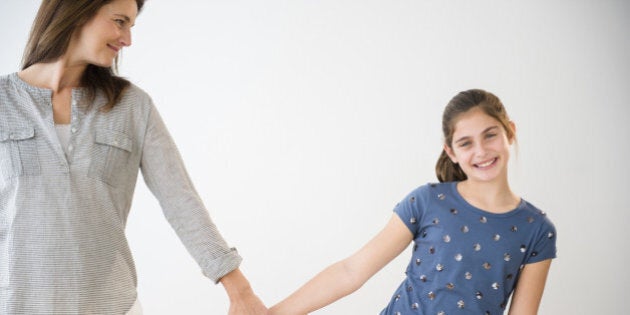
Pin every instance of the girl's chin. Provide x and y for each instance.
(485, 176)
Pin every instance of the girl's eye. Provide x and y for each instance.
(490, 135)
(120, 22)
(464, 144)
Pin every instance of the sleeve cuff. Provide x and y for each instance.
(217, 268)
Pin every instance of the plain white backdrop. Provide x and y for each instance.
(302, 124)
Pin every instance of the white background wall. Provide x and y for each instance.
(303, 123)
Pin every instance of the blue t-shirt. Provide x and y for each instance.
(466, 260)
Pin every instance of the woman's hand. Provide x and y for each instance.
(243, 301)
(248, 304)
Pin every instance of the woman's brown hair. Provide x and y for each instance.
(445, 169)
(55, 23)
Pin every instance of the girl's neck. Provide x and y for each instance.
(495, 197)
(56, 76)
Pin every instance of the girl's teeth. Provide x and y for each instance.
(486, 164)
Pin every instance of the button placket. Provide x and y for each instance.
(74, 123)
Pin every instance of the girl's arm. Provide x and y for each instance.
(348, 275)
(529, 289)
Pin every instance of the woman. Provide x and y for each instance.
(73, 136)
(476, 241)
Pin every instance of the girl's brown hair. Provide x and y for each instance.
(55, 23)
(445, 169)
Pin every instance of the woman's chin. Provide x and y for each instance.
(103, 63)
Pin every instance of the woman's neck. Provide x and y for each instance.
(496, 197)
(56, 76)
(61, 78)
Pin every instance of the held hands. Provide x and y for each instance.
(243, 301)
(248, 304)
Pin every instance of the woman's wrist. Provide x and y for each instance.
(236, 285)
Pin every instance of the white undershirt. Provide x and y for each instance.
(63, 133)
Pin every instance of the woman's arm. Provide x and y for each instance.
(165, 175)
(530, 287)
(346, 276)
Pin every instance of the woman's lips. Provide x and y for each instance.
(114, 48)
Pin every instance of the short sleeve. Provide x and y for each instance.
(412, 208)
(545, 243)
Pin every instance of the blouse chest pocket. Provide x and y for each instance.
(110, 156)
(18, 153)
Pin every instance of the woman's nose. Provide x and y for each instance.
(125, 38)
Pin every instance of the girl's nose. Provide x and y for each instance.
(480, 150)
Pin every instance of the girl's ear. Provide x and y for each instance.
(450, 153)
(513, 126)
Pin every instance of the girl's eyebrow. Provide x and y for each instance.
(484, 131)
(490, 128)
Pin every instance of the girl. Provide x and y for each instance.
(73, 136)
(475, 241)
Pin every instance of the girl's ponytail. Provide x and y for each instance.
(447, 171)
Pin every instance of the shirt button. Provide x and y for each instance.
(70, 148)
(74, 103)
(73, 130)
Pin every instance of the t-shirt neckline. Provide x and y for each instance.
(459, 197)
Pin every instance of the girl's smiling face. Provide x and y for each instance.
(480, 146)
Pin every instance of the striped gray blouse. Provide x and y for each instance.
(62, 217)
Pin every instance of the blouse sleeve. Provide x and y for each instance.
(165, 175)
